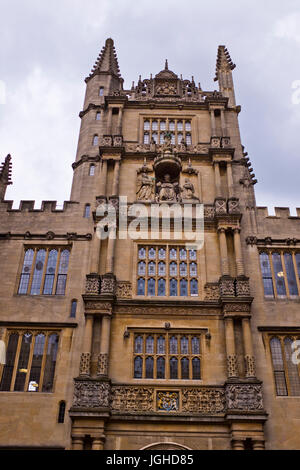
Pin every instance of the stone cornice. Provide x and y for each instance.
(71, 236)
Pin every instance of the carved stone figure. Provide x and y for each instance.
(144, 187)
(167, 191)
(188, 190)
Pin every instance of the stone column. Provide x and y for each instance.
(104, 346)
(217, 179)
(103, 178)
(258, 445)
(98, 443)
(230, 348)
(213, 123)
(95, 253)
(248, 348)
(238, 252)
(229, 179)
(120, 116)
(223, 252)
(85, 358)
(238, 444)
(109, 121)
(223, 124)
(115, 187)
(77, 442)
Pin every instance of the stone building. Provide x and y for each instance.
(149, 343)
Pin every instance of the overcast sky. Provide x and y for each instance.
(48, 48)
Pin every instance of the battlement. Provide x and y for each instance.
(280, 212)
(46, 206)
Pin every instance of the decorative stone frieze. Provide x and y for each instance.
(232, 369)
(250, 366)
(227, 287)
(233, 206)
(211, 291)
(91, 394)
(132, 399)
(124, 290)
(108, 284)
(85, 361)
(92, 284)
(242, 287)
(220, 206)
(244, 397)
(102, 366)
(203, 400)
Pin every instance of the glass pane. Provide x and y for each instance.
(73, 308)
(160, 368)
(185, 373)
(61, 284)
(184, 345)
(142, 253)
(290, 273)
(278, 272)
(10, 361)
(154, 125)
(142, 268)
(193, 269)
(35, 371)
(293, 373)
(64, 262)
(138, 344)
(149, 368)
(155, 137)
(50, 272)
(141, 287)
(183, 287)
(265, 265)
(268, 287)
(298, 263)
(196, 368)
(160, 345)
(87, 211)
(183, 269)
(146, 125)
(171, 126)
(187, 125)
(162, 253)
(182, 253)
(173, 253)
(280, 383)
(38, 272)
(50, 363)
(161, 138)
(161, 287)
(194, 286)
(173, 368)
(151, 253)
(149, 345)
(151, 286)
(192, 255)
(146, 138)
(279, 375)
(173, 287)
(151, 268)
(161, 269)
(162, 125)
(173, 269)
(179, 138)
(24, 280)
(23, 363)
(188, 139)
(95, 140)
(173, 345)
(98, 116)
(172, 138)
(92, 170)
(179, 126)
(138, 367)
(195, 345)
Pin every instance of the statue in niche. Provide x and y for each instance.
(167, 191)
(144, 187)
(167, 146)
(188, 190)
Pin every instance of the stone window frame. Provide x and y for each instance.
(167, 277)
(187, 134)
(167, 355)
(282, 252)
(28, 369)
(48, 248)
(283, 373)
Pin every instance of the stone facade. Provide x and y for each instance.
(164, 140)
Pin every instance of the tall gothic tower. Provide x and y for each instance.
(147, 341)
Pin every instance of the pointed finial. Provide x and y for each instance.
(106, 61)
(224, 61)
(5, 176)
(166, 65)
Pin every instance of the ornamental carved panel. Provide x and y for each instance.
(132, 399)
(124, 290)
(242, 288)
(212, 291)
(227, 287)
(244, 397)
(203, 400)
(91, 394)
(92, 284)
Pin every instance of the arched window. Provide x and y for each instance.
(187, 125)
(101, 91)
(142, 253)
(182, 253)
(61, 412)
(193, 269)
(196, 368)
(161, 345)
(23, 362)
(142, 268)
(290, 274)
(279, 276)
(92, 170)
(161, 269)
(292, 369)
(161, 287)
(50, 272)
(173, 368)
(146, 125)
(160, 367)
(149, 345)
(95, 140)
(151, 286)
(183, 269)
(162, 253)
(154, 125)
(138, 367)
(149, 367)
(141, 286)
(184, 345)
(185, 368)
(173, 269)
(87, 210)
(188, 139)
(98, 116)
(171, 126)
(278, 367)
(146, 138)
(183, 287)
(73, 308)
(194, 287)
(195, 345)
(38, 272)
(173, 287)
(50, 363)
(138, 344)
(173, 345)
(266, 274)
(151, 269)
(26, 270)
(36, 365)
(162, 125)
(62, 272)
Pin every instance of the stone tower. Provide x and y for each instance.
(151, 341)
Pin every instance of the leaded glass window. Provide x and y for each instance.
(285, 370)
(154, 128)
(280, 273)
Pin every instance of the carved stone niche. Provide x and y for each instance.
(244, 397)
(108, 284)
(92, 283)
(233, 206)
(91, 394)
(220, 206)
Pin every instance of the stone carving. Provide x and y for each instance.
(132, 399)
(84, 367)
(91, 394)
(251, 241)
(236, 307)
(215, 142)
(108, 284)
(167, 191)
(225, 141)
(233, 206)
(92, 284)
(124, 289)
(167, 401)
(188, 190)
(227, 286)
(232, 369)
(203, 400)
(209, 212)
(220, 205)
(166, 88)
(250, 366)
(242, 287)
(106, 141)
(118, 140)
(102, 366)
(212, 291)
(244, 397)
(104, 308)
(145, 187)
